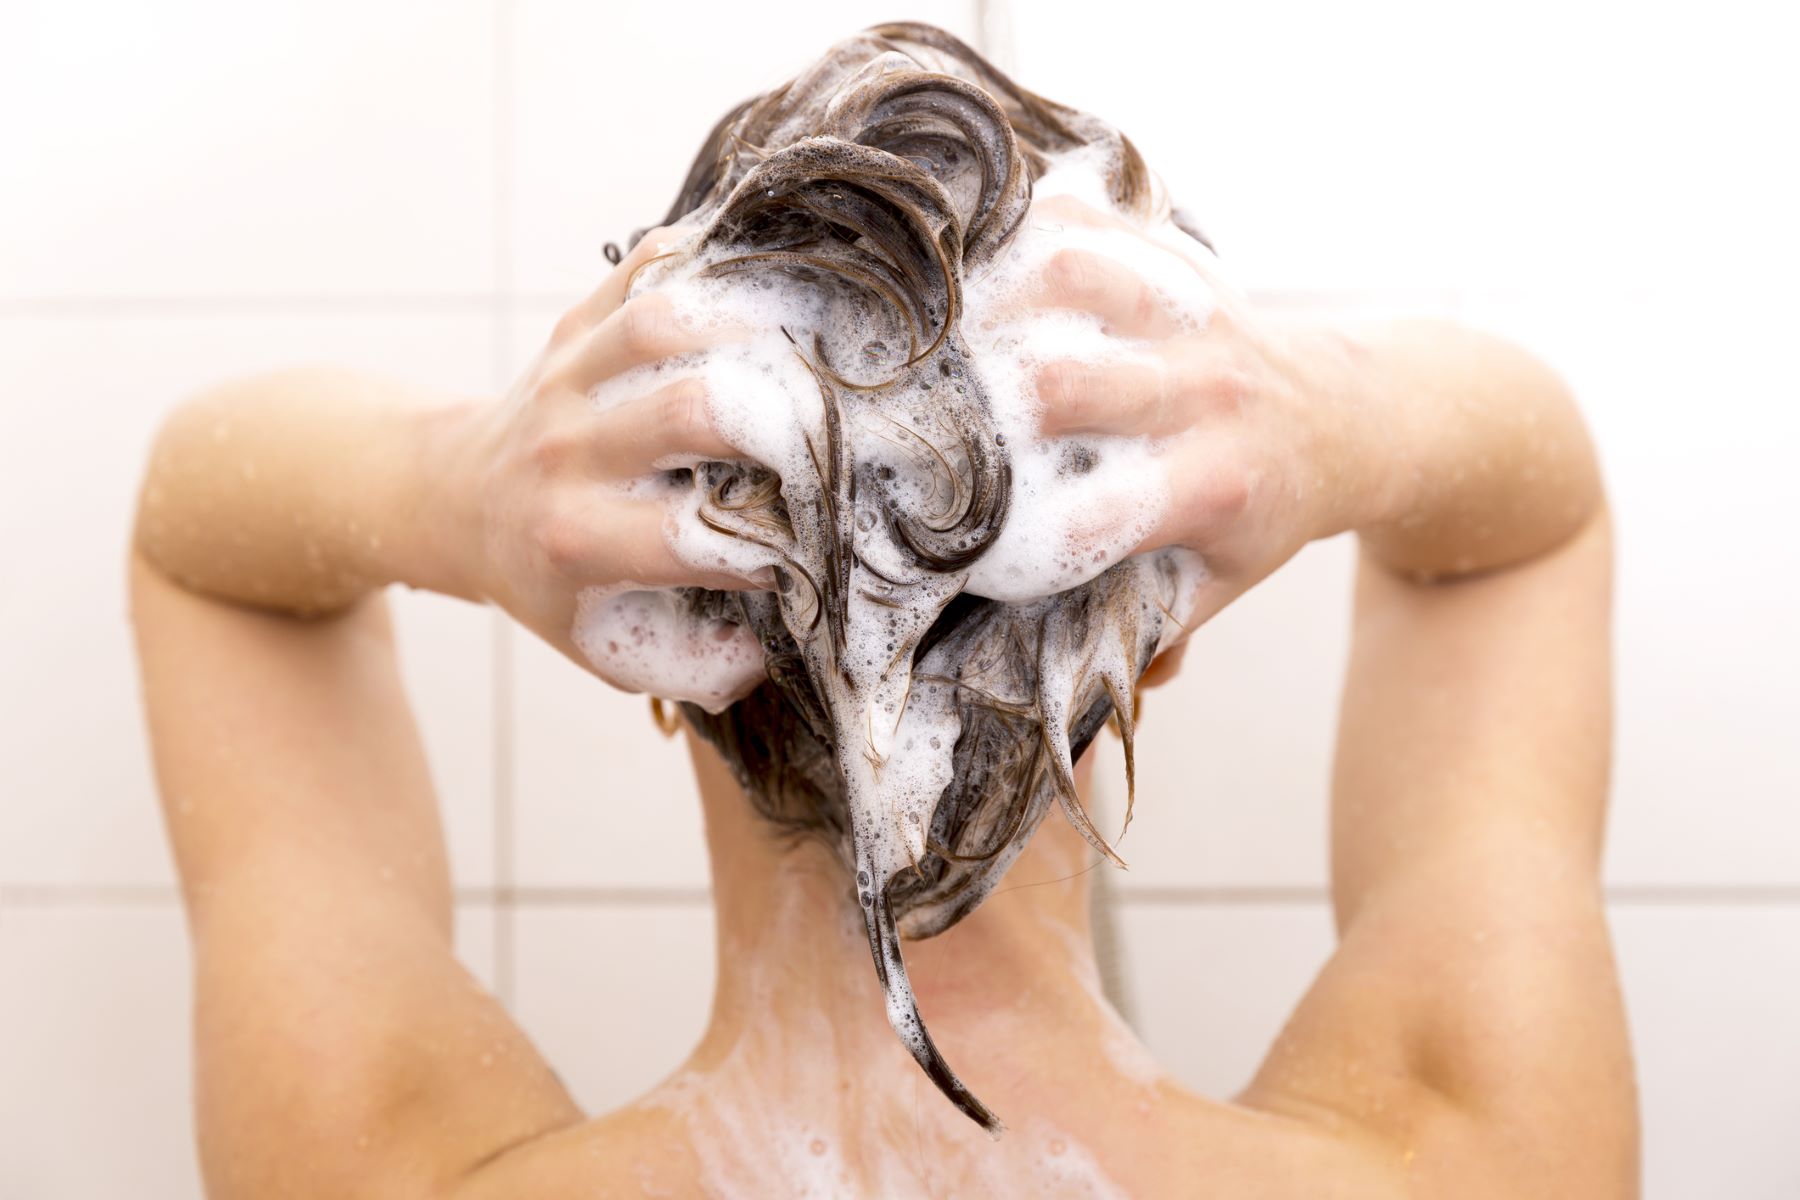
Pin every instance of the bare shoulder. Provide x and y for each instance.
(641, 1150)
(1482, 1047)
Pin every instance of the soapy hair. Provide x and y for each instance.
(886, 188)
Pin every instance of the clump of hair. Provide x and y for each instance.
(885, 175)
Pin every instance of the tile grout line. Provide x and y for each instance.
(502, 894)
(993, 33)
(502, 644)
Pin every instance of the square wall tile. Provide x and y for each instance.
(447, 648)
(95, 1032)
(200, 148)
(1211, 985)
(84, 397)
(1711, 993)
(1696, 419)
(1404, 141)
(600, 796)
(615, 996)
(612, 102)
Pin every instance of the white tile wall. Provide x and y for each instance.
(616, 995)
(201, 189)
(587, 167)
(1213, 984)
(1411, 143)
(1712, 990)
(94, 1032)
(600, 796)
(205, 148)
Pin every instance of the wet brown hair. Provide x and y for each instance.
(886, 184)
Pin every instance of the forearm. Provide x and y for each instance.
(1469, 453)
(301, 492)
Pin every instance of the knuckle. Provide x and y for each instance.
(1072, 275)
(1146, 304)
(683, 411)
(1225, 494)
(1063, 387)
(646, 326)
(569, 327)
(560, 541)
(548, 454)
(1068, 207)
(1225, 391)
(1162, 408)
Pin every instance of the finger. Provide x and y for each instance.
(645, 329)
(604, 300)
(1054, 214)
(1086, 282)
(669, 427)
(1126, 398)
(606, 540)
(1064, 209)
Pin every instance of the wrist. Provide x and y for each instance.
(1353, 429)
(436, 541)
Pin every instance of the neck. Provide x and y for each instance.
(799, 1020)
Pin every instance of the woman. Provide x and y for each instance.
(1465, 1039)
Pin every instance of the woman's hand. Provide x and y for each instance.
(545, 477)
(302, 492)
(1447, 451)
(1252, 420)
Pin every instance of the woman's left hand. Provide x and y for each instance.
(1252, 419)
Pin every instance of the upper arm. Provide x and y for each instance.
(340, 1048)
(1473, 1001)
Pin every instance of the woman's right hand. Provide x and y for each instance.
(542, 479)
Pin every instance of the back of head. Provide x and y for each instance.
(924, 690)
